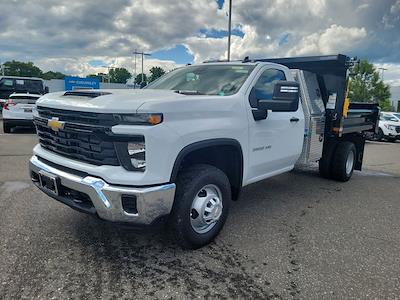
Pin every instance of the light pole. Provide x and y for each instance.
(108, 72)
(142, 54)
(382, 70)
(3, 69)
(134, 74)
(229, 30)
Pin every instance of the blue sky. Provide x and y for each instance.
(179, 54)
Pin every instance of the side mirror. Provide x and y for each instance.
(46, 89)
(284, 98)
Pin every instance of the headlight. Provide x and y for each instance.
(390, 127)
(139, 119)
(137, 155)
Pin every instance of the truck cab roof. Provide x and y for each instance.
(336, 65)
(20, 77)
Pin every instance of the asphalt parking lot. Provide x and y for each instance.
(295, 236)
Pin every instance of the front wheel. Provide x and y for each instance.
(6, 127)
(202, 200)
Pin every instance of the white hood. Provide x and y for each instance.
(393, 123)
(113, 101)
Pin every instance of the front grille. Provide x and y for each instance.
(82, 138)
(80, 117)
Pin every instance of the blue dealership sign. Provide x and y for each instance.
(72, 83)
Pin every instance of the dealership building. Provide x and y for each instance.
(70, 83)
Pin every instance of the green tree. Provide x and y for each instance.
(19, 68)
(138, 78)
(119, 75)
(366, 86)
(102, 77)
(53, 75)
(155, 73)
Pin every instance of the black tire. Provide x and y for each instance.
(188, 185)
(325, 162)
(391, 140)
(379, 135)
(343, 152)
(6, 127)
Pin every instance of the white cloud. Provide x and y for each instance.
(67, 35)
(395, 8)
(82, 67)
(333, 40)
(391, 74)
(392, 18)
(362, 7)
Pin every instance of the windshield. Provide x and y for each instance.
(223, 80)
(24, 99)
(389, 118)
(397, 115)
(21, 84)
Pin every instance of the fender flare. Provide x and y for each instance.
(205, 144)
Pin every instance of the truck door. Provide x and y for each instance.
(275, 142)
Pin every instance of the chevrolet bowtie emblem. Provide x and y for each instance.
(55, 124)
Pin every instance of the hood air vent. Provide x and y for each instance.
(89, 94)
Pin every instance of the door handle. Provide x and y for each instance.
(294, 119)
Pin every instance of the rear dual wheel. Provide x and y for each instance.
(343, 161)
(338, 161)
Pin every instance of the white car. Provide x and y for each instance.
(2, 102)
(18, 110)
(395, 115)
(389, 127)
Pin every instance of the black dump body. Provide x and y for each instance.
(332, 73)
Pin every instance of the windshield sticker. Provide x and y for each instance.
(242, 71)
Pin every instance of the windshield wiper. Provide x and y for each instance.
(188, 92)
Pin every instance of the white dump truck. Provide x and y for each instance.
(181, 149)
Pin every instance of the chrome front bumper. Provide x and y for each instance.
(104, 199)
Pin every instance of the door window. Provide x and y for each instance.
(6, 85)
(7, 82)
(264, 86)
(34, 85)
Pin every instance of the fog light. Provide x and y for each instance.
(137, 154)
(129, 203)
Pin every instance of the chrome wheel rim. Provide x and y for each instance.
(349, 162)
(206, 208)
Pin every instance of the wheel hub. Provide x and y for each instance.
(206, 208)
(350, 162)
